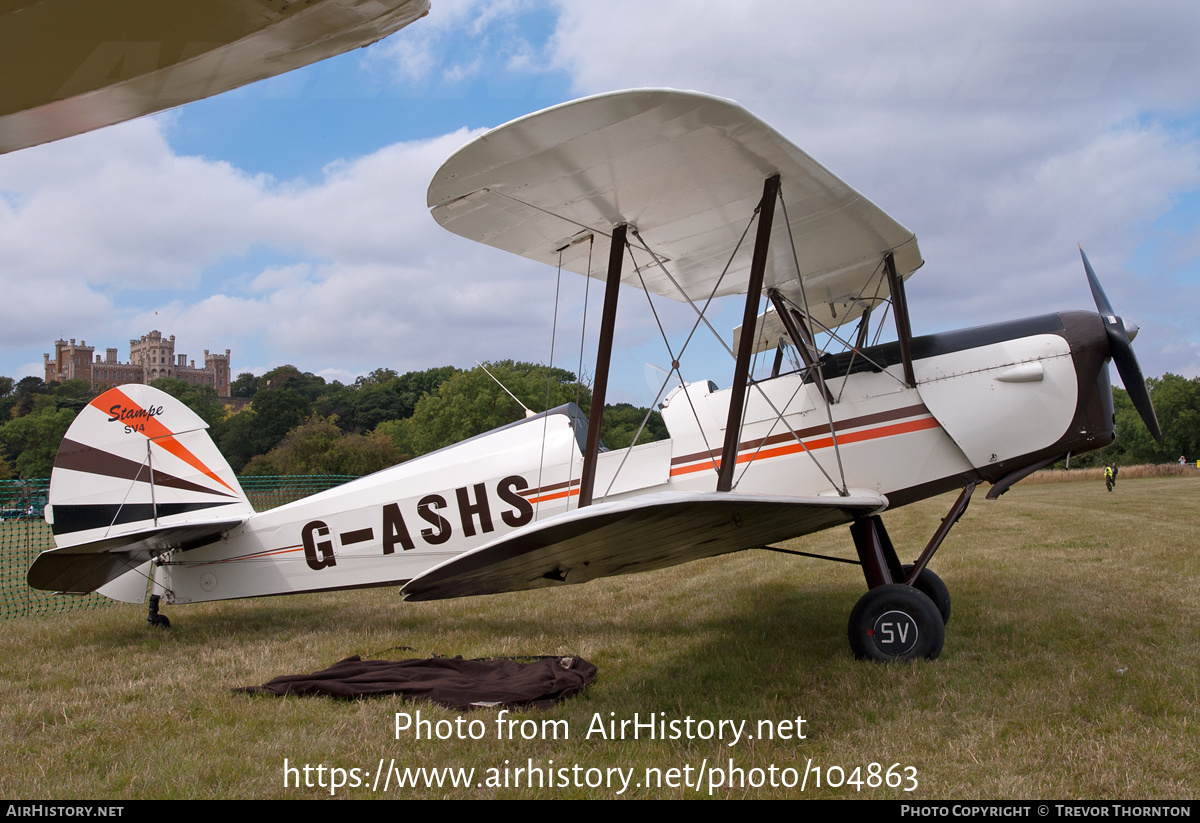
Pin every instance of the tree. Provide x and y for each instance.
(1177, 402)
(382, 396)
(238, 438)
(337, 401)
(245, 385)
(622, 420)
(1177, 405)
(70, 394)
(200, 399)
(7, 398)
(258, 429)
(413, 385)
(399, 432)
(31, 442)
(371, 404)
(320, 447)
(290, 377)
(26, 394)
(471, 402)
(277, 412)
(376, 377)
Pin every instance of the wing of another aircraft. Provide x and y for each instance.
(650, 532)
(686, 170)
(71, 66)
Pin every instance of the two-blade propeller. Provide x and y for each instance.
(1120, 334)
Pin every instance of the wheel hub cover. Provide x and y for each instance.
(895, 632)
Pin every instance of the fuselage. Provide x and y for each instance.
(988, 403)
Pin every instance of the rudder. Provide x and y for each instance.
(135, 470)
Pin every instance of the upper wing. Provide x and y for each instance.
(687, 171)
(71, 66)
(644, 533)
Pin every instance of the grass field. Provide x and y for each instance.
(1071, 670)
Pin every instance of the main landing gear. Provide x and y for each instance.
(903, 616)
(896, 621)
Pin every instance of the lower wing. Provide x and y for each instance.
(644, 533)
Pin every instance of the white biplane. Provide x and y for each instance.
(689, 197)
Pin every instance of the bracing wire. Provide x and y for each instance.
(587, 287)
(549, 378)
(701, 317)
(837, 451)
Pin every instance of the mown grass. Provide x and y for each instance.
(1071, 670)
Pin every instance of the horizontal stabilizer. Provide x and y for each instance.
(79, 569)
(645, 533)
(72, 573)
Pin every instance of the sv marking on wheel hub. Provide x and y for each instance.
(895, 632)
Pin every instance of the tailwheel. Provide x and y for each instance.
(933, 587)
(896, 622)
(153, 617)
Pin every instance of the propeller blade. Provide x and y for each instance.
(1121, 350)
(1131, 376)
(1102, 304)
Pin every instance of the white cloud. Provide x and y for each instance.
(1001, 133)
(460, 39)
(95, 248)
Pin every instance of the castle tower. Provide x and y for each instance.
(218, 366)
(71, 361)
(151, 357)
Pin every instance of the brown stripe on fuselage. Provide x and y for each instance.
(812, 431)
(550, 488)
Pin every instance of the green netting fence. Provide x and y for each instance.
(24, 534)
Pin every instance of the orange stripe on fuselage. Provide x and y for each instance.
(259, 555)
(813, 445)
(545, 497)
(164, 437)
(531, 493)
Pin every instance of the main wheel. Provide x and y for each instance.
(934, 589)
(896, 622)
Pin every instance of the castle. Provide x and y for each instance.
(150, 358)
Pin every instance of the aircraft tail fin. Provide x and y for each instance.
(136, 474)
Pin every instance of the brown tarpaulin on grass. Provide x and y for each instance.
(453, 682)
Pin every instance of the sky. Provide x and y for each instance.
(286, 220)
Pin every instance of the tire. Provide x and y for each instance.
(933, 587)
(896, 622)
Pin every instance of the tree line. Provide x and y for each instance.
(1177, 405)
(298, 423)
